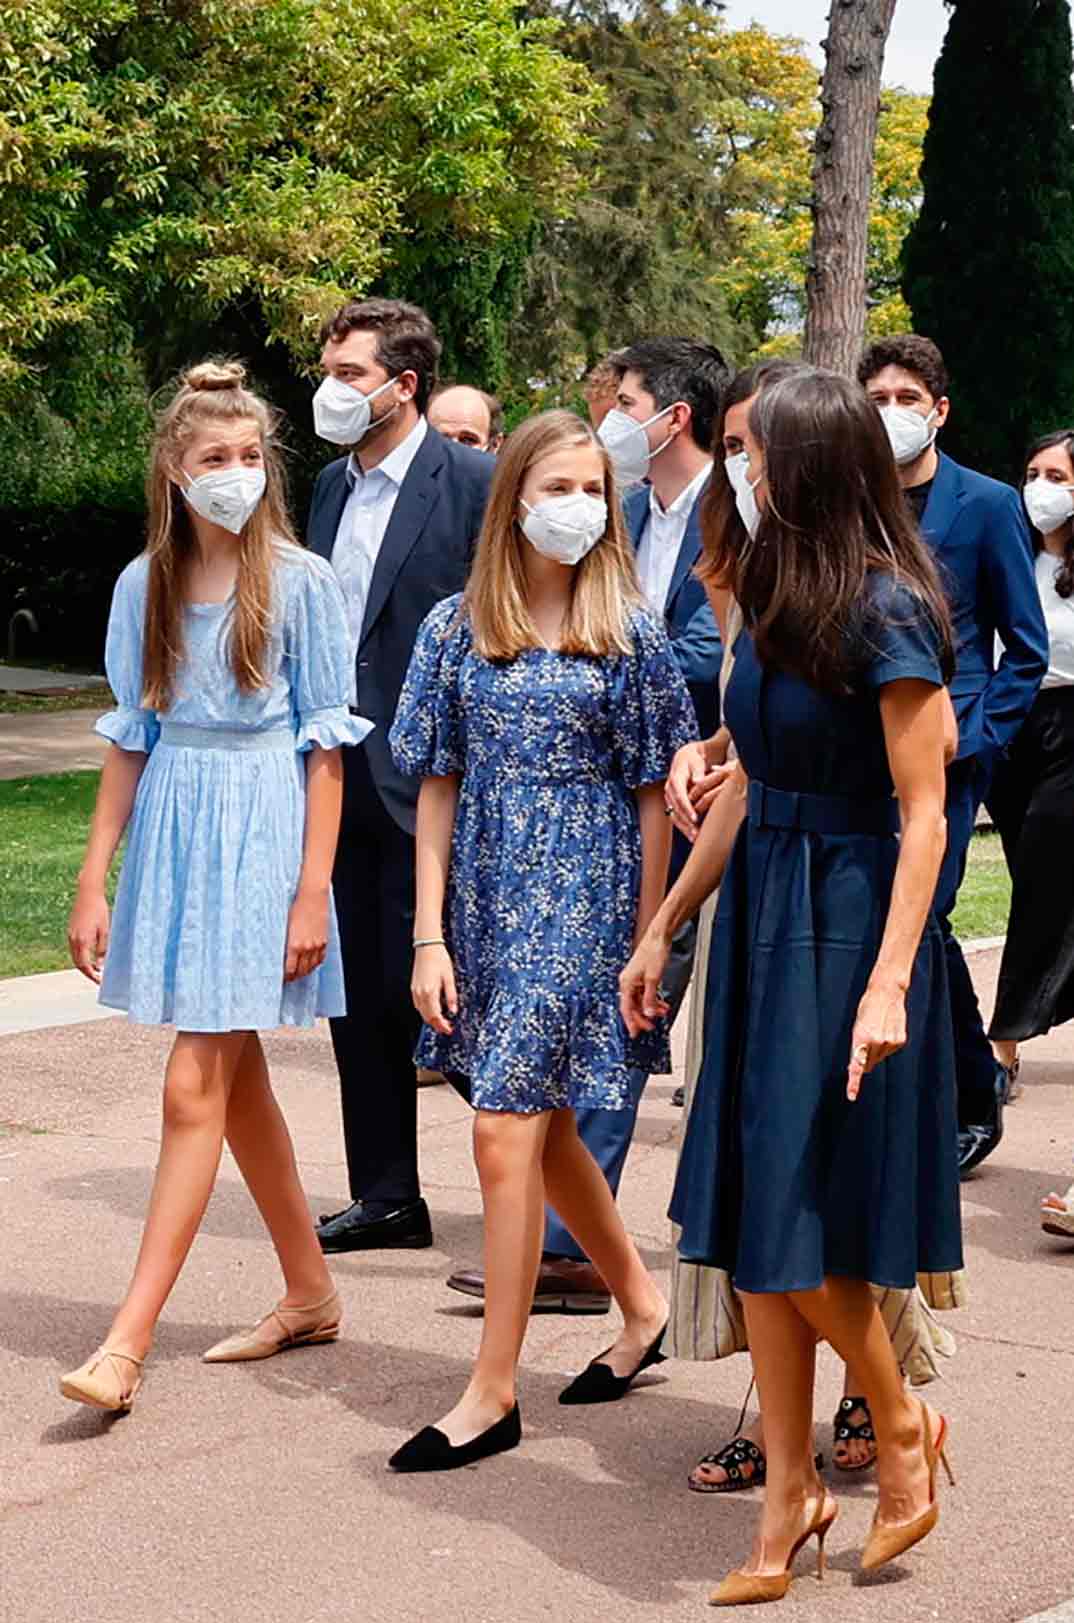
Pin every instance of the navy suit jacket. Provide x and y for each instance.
(978, 533)
(691, 625)
(425, 556)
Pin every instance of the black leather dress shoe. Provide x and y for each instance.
(431, 1451)
(679, 1098)
(977, 1140)
(357, 1229)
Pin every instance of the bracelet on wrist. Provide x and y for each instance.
(430, 941)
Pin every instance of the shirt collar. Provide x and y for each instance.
(396, 464)
(686, 498)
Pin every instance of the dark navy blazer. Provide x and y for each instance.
(425, 556)
(691, 625)
(978, 533)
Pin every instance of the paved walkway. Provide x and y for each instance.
(260, 1492)
(23, 679)
(41, 741)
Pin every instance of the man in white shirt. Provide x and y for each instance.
(397, 516)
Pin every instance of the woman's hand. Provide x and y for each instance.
(879, 1030)
(307, 933)
(87, 933)
(640, 1000)
(432, 986)
(693, 783)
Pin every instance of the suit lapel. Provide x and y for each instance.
(943, 504)
(689, 551)
(323, 533)
(414, 504)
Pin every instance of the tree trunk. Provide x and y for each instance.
(842, 181)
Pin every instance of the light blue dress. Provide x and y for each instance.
(214, 846)
(546, 853)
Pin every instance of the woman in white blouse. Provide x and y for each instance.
(1032, 799)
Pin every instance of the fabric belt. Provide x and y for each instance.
(820, 814)
(182, 736)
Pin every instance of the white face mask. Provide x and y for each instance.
(565, 527)
(746, 502)
(627, 443)
(226, 498)
(735, 467)
(342, 414)
(1049, 506)
(908, 431)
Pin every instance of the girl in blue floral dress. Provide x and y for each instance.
(228, 653)
(542, 710)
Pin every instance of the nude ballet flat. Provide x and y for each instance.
(755, 1588)
(888, 1541)
(296, 1327)
(100, 1381)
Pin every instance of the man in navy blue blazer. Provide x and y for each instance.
(397, 516)
(978, 533)
(660, 430)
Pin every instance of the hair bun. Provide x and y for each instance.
(209, 376)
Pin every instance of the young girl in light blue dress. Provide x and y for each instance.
(228, 654)
(542, 711)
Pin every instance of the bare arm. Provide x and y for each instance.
(88, 927)
(913, 716)
(639, 997)
(655, 854)
(433, 982)
(307, 925)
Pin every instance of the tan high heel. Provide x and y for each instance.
(296, 1327)
(754, 1588)
(886, 1541)
(99, 1381)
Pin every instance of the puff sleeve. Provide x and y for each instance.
(901, 639)
(322, 680)
(652, 712)
(130, 725)
(427, 737)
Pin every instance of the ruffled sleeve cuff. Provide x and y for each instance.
(129, 727)
(330, 728)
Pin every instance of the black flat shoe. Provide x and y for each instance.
(430, 1450)
(356, 1229)
(598, 1383)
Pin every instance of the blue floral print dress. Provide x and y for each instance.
(214, 846)
(546, 854)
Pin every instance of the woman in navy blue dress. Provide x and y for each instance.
(820, 1155)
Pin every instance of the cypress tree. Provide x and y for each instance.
(989, 264)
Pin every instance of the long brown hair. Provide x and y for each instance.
(604, 585)
(1064, 437)
(213, 392)
(835, 513)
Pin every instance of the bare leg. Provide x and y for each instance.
(1006, 1052)
(783, 1347)
(196, 1086)
(258, 1138)
(508, 1152)
(844, 1313)
(578, 1192)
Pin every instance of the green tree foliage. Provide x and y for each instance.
(166, 162)
(634, 250)
(989, 265)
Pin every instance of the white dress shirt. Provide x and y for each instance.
(371, 501)
(1059, 619)
(662, 538)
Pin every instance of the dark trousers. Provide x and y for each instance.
(975, 1065)
(607, 1134)
(374, 1042)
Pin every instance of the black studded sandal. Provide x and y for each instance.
(732, 1457)
(844, 1430)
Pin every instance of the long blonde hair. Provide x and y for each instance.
(604, 586)
(212, 392)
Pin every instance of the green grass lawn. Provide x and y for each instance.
(18, 704)
(43, 824)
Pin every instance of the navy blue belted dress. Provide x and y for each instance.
(782, 1180)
